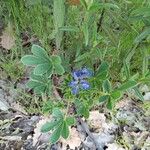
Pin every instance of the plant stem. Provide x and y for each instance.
(67, 109)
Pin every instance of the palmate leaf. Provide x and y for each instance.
(40, 60)
(59, 125)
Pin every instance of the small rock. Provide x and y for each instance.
(114, 146)
(147, 96)
(3, 105)
(144, 88)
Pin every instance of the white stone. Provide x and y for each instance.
(147, 96)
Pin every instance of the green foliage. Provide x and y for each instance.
(82, 109)
(129, 84)
(104, 98)
(106, 86)
(40, 59)
(13, 69)
(59, 125)
(44, 67)
(40, 84)
(59, 16)
(111, 38)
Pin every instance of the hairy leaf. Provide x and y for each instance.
(129, 84)
(106, 86)
(65, 130)
(104, 98)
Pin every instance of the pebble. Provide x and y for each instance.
(147, 96)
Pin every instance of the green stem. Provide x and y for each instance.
(67, 109)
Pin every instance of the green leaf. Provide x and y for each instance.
(108, 6)
(47, 107)
(142, 11)
(81, 108)
(40, 89)
(42, 68)
(102, 68)
(85, 112)
(41, 59)
(103, 76)
(56, 59)
(56, 134)
(129, 84)
(143, 35)
(116, 95)
(65, 130)
(106, 86)
(39, 52)
(104, 98)
(83, 3)
(70, 121)
(57, 113)
(31, 60)
(59, 16)
(126, 69)
(49, 126)
(32, 84)
(94, 8)
(138, 93)
(86, 33)
(39, 78)
(109, 105)
(40, 84)
(59, 69)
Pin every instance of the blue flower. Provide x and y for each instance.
(82, 74)
(86, 73)
(73, 83)
(84, 85)
(75, 90)
(79, 81)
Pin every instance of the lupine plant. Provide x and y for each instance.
(85, 68)
(83, 89)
